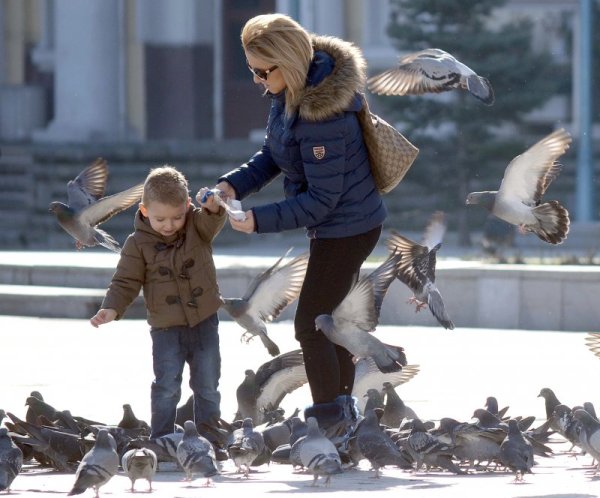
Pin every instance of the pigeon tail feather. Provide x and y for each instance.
(553, 222)
(106, 240)
(481, 89)
(436, 305)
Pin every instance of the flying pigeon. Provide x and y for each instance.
(430, 71)
(592, 341)
(516, 451)
(519, 198)
(140, 463)
(87, 208)
(417, 268)
(266, 297)
(318, 454)
(247, 445)
(11, 460)
(262, 392)
(195, 454)
(354, 319)
(97, 466)
(589, 436)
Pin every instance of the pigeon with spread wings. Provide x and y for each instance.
(431, 71)
(87, 208)
(352, 321)
(267, 296)
(526, 179)
(417, 268)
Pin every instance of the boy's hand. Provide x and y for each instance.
(206, 198)
(103, 316)
(227, 189)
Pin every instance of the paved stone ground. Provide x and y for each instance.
(93, 372)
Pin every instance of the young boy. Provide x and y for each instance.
(170, 256)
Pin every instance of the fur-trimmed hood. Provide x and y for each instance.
(335, 93)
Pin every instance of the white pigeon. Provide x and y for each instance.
(11, 460)
(266, 297)
(318, 454)
(139, 463)
(195, 454)
(98, 465)
(87, 208)
(417, 269)
(352, 321)
(519, 199)
(431, 71)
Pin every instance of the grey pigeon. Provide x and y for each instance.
(11, 460)
(352, 321)
(246, 446)
(368, 376)
(130, 421)
(427, 449)
(589, 436)
(491, 405)
(395, 410)
(550, 401)
(519, 199)
(165, 447)
(562, 421)
(374, 400)
(318, 454)
(264, 390)
(431, 71)
(417, 269)
(36, 407)
(87, 208)
(139, 463)
(266, 297)
(377, 446)
(195, 454)
(97, 466)
(516, 451)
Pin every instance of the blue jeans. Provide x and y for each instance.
(172, 347)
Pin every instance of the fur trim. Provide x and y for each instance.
(335, 93)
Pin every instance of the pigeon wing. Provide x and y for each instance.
(107, 207)
(271, 367)
(528, 175)
(283, 382)
(276, 288)
(414, 261)
(592, 341)
(435, 230)
(88, 186)
(368, 376)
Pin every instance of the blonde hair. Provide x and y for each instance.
(280, 41)
(165, 185)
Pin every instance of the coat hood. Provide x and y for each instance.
(336, 92)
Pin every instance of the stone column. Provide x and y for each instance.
(86, 72)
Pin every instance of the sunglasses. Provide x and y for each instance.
(261, 74)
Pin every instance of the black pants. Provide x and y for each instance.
(333, 267)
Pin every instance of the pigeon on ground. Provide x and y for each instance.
(519, 198)
(550, 401)
(130, 421)
(376, 445)
(266, 297)
(87, 208)
(36, 406)
(516, 451)
(97, 466)
(246, 446)
(352, 321)
(368, 376)
(374, 400)
(417, 269)
(563, 421)
(165, 447)
(395, 410)
(139, 463)
(264, 390)
(589, 436)
(491, 405)
(431, 71)
(428, 449)
(318, 454)
(185, 411)
(195, 454)
(11, 460)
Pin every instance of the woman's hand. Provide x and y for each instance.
(227, 189)
(246, 226)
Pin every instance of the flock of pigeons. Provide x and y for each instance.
(389, 433)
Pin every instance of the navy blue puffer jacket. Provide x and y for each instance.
(320, 151)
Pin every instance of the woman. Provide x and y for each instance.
(314, 139)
